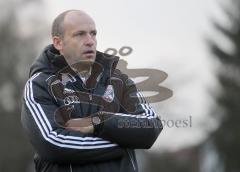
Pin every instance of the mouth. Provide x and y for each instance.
(89, 52)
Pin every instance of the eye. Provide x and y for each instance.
(79, 34)
(94, 33)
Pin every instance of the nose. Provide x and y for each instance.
(90, 40)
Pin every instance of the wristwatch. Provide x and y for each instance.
(96, 120)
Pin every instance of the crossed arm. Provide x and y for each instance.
(77, 142)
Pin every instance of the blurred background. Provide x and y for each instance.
(196, 42)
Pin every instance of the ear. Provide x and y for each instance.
(58, 43)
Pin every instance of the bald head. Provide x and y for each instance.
(65, 18)
(74, 36)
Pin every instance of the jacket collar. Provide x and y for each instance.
(50, 61)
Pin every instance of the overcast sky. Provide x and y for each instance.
(168, 35)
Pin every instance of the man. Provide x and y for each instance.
(79, 111)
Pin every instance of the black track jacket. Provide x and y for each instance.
(53, 89)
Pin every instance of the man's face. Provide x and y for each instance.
(79, 41)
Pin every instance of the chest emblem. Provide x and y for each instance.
(108, 95)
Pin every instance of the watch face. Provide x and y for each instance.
(96, 120)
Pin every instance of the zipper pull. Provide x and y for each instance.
(90, 97)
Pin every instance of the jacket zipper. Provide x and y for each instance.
(132, 161)
(90, 102)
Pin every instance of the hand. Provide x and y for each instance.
(83, 125)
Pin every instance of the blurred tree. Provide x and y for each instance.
(17, 51)
(227, 137)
